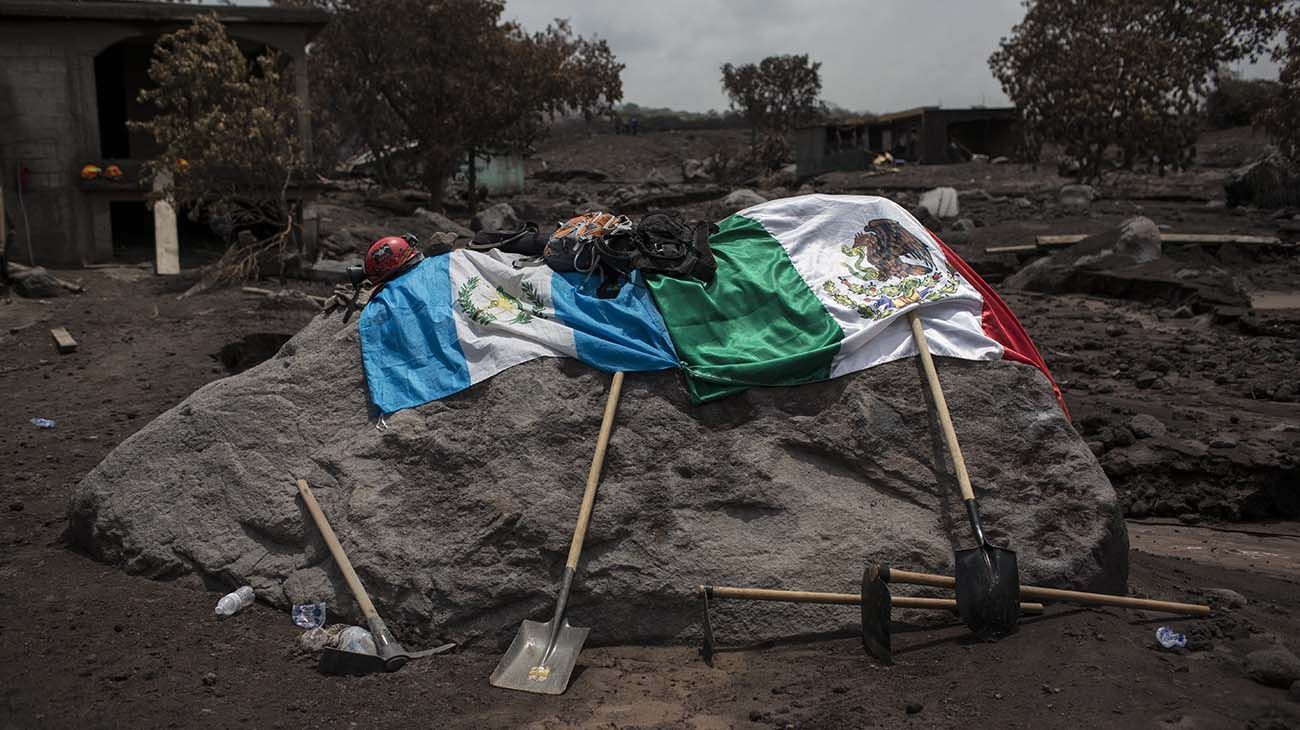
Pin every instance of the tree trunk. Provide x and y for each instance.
(436, 170)
(753, 140)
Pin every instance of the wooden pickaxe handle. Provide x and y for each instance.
(1037, 593)
(846, 599)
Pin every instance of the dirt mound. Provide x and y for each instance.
(458, 515)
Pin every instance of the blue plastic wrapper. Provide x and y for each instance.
(1170, 639)
(42, 423)
(309, 615)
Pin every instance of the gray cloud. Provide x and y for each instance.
(876, 55)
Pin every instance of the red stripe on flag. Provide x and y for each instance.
(1000, 323)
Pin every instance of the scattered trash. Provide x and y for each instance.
(357, 640)
(1170, 640)
(309, 615)
(231, 603)
(42, 423)
(312, 641)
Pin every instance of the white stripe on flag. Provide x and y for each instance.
(504, 316)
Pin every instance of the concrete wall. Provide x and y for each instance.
(40, 130)
(821, 149)
(49, 124)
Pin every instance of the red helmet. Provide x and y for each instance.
(390, 256)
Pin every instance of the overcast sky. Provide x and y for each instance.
(876, 55)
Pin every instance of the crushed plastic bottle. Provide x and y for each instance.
(1169, 639)
(357, 639)
(309, 615)
(231, 603)
(42, 423)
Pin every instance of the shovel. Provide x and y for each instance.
(876, 600)
(542, 656)
(391, 655)
(988, 577)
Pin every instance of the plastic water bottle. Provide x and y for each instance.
(357, 639)
(233, 602)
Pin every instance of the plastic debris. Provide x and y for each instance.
(357, 639)
(312, 641)
(232, 603)
(42, 423)
(309, 615)
(1169, 639)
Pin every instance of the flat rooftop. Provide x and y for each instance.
(157, 12)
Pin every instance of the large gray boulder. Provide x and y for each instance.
(458, 515)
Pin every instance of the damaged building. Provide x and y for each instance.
(70, 76)
(924, 135)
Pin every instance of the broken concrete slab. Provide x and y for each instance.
(941, 202)
(742, 198)
(1077, 196)
(499, 217)
(440, 223)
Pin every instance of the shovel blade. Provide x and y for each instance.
(338, 661)
(876, 605)
(988, 590)
(528, 667)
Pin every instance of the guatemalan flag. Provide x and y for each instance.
(462, 317)
(814, 287)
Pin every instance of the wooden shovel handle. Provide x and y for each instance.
(340, 557)
(847, 599)
(1057, 594)
(941, 405)
(593, 476)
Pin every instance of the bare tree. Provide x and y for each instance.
(775, 95)
(226, 127)
(451, 77)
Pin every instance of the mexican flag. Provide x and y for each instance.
(816, 286)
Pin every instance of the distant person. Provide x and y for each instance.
(913, 146)
(632, 125)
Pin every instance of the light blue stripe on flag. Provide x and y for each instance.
(624, 333)
(408, 340)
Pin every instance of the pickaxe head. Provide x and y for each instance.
(876, 604)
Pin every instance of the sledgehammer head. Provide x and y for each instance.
(876, 604)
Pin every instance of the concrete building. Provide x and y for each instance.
(924, 135)
(70, 73)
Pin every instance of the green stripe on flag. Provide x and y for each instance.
(758, 323)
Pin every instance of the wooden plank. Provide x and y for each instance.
(1068, 240)
(1275, 301)
(1217, 238)
(63, 340)
(1024, 248)
(1185, 238)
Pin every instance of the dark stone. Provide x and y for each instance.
(1275, 667)
(36, 283)
(1145, 426)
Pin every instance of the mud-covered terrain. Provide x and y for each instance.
(1183, 381)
